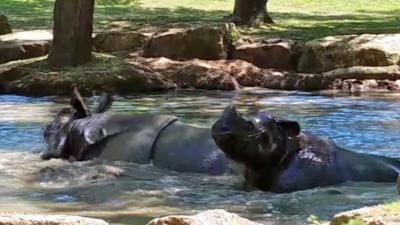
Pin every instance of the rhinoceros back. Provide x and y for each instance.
(185, 148)
(117, 137)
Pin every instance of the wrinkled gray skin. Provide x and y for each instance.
(278, 157)
(78, 134)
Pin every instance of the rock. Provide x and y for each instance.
(374, 215)
(103, 73)
(207, 42)
(369, 85)
(364, 79)
(209, 217)
(120, 41)
(365, 72)
(230, 74)
(24, 45)
(335, 52)
(27, 219)
(197, 74)
(4, 25)
(275, 53)
(137, 74)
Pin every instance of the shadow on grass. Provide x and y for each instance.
(307, 26)
(24, 14)
(33, 14)
(158, 16)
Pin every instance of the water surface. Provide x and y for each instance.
(126, 193)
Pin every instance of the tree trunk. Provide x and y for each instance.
(248, 12)
(72, 33)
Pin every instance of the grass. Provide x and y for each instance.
(298, 19)
(102, 63)
(393, 206)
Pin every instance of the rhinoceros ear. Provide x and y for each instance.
(78, 104)
(105, 103)
(291, 128)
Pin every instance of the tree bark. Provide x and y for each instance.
(72, 33)
(248, 12)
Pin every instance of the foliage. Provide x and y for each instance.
(234, 33)
(314, 220)
(299, 19)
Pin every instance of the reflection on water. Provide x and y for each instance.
(125, 193)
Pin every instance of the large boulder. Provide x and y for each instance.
(206, 42)
(209, 217)
(29, 219)
(335, 52)
(267, 54)
(120, 41)
(24, 45)
(5, 27)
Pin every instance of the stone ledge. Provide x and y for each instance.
(131, 73)
(33, 219)
(209, 217)
(374, 215)
(24, 45)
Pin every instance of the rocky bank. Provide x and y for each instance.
(34, 219)
(206, 57)
(209, 217)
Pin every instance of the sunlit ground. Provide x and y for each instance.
(299, 19)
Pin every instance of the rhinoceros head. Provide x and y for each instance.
(256, 142)
(56, 132)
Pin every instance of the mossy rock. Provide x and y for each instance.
(5, 27)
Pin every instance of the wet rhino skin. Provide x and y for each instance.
(160, 139)
(320, 162)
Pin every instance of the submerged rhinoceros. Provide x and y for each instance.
(78, 134)
(278, 157)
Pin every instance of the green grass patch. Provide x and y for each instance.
(392, 206)
(298, 19)
(101, 63)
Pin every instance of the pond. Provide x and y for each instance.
(366, 123)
